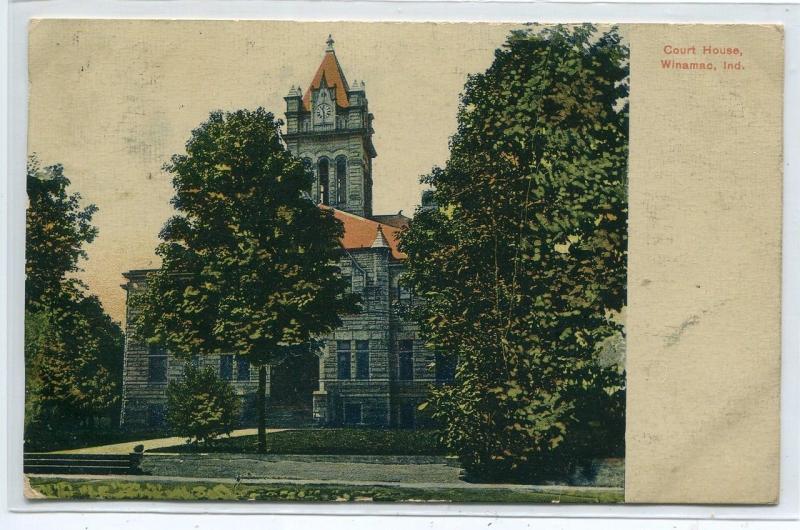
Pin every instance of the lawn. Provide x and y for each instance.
(80, 440)
(327, 441)
(80, 489)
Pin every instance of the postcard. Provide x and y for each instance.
(403, 262)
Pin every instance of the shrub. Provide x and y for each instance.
(201, 406)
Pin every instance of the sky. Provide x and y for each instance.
(112, 100)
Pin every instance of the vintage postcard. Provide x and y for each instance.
(402, 262)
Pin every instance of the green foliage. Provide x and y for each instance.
(73, 350)
(329, 442)
(56, 230)
(521, 259)
(248, 261)
(201, 406)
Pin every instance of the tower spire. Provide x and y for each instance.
(380, 239)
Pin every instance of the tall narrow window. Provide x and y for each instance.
(343, 359)
(324, 192)
(352, 413)
(407, 411)
(403, 293)
(226, 367)
(362, 359)
(358, 281)
(156, 364)
(405, 353)
(308, 165)
(242, 368)
(156, 415)
(341, 180)
(445, 367)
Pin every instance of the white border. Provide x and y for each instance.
(138, 514)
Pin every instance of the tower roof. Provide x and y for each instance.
(331, 71)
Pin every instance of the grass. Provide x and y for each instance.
(326, 441)
(81, 440)
(82, 489)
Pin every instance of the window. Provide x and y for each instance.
(156, 415)
(407, 411)
(157, 364)
(226, 367)
(308, 165)
(324, 196)
(352, 413)
(358, 281)
(406, 359)
(195, 361)
(343, 359)
(403, 293)
(341, 180)
(242, 368)
(445, 367)
(362, 359)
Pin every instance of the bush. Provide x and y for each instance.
(202, 406)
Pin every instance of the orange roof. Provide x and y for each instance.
(331, 71)
(360, 232)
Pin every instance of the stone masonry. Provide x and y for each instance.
(373, 370)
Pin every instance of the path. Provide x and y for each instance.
(155, 443)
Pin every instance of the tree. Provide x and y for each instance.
(57, 228)
(74, 354)
(201, 406)
(73, 350)
(248, 261)
(521, 258)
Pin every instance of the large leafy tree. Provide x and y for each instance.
(248, 262)
(57, 229)
(74, 353)
(73, 350)
(521, 259)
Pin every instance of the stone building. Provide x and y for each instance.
(374, 369)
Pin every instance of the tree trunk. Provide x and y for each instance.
(261, 405)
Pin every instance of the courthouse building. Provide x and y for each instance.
(374, 369)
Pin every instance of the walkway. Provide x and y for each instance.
(149, 445)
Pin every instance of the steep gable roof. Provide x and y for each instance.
(360, 232)
(330, 70)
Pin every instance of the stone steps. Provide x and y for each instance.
(83, 464)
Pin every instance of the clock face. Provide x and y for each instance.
(323, 112)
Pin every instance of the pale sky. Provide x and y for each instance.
(113, 100)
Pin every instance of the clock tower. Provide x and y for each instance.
(330, 128)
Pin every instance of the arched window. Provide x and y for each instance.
(341, 180)
(324, 192)
(308, 165)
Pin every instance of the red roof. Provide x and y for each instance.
(334, 78)
(360, 232)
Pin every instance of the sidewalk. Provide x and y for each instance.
(155, 443)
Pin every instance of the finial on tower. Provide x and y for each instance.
(329, 42)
